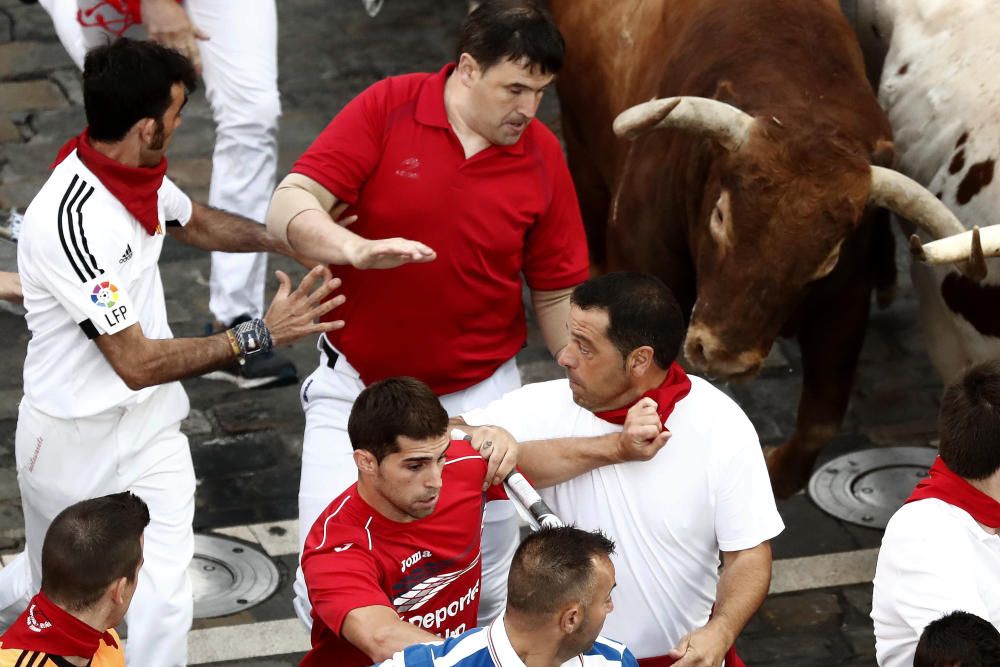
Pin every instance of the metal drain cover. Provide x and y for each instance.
(229, 576)
(868, 486)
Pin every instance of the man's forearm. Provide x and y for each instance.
(214, 229)
(552, 312)
(743, 585)
(550, 462)
(154, 361)
(314, 233)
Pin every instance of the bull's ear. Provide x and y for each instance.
(884, 153)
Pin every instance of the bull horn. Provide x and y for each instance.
(724, 123)
(908, 199)
(973, 247)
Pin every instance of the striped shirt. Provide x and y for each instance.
(490, 647)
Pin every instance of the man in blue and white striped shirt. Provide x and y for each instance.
(558, 595)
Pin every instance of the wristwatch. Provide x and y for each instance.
(252, 337)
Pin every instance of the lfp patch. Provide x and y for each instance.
(105, 295)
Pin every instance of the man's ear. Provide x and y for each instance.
(468, 69)
(639, 360)
(147, 130)
(117, 590)
(365, 461)
(570, 618)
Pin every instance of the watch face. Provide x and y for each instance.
(249, 342)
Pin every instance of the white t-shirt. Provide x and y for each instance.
(88, 268)
(706, 490)
(935, 559)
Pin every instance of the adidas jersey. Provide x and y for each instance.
(106, 656)
(88, 268)
(428, 570)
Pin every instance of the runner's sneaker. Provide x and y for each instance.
(263, 369)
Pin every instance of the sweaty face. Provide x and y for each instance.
(503, 99)
(410, 479)
(594, 366)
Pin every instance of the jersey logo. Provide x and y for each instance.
(413, 559)
(343, 547)
(105, 294)
(409, 168)
(34, 624)
(128, 254)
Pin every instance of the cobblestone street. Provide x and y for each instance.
(246, 445)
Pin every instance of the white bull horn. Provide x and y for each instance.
(972, 247)
(908, 199)
(724, 123)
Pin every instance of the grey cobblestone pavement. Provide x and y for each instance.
(246, 445)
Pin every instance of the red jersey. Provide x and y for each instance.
(428, 570)
(508, 210)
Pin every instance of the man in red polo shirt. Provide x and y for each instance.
(455, 160)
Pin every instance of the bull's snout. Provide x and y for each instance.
(708, 355)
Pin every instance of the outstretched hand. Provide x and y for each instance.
(386, 253)
(294, 314)
(499, 448)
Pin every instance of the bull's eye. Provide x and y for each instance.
(828, 264)
(718, 222)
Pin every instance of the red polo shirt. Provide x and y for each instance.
(507, 210)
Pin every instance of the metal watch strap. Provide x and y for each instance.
(252, 337)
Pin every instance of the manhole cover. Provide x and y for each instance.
(867, 487)
(229, 576)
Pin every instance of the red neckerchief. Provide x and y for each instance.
(674, 387)
(945, 485)
(135, 187)
(125, 14)
(46, 628)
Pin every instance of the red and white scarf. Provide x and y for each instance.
(136, 188)
(674, 387)
(46, 628)
(944, 484)
(122, 15)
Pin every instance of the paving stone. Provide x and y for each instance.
(23, 60)
(861, 639)
(6, 31)
(26, 95)
(801, 611)
(8, 131)
(814, 650)
(197, 423)
(244, 416)
(192, 173)
(31, 23)
(55, 126)
(68, 79)
(859, 598)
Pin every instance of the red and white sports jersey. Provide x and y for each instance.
(428, 570)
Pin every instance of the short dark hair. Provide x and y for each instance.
(90, 545)
(959, 639)
(515, 30)
(128, 80)
(969, 422)
(393, 407)
(641, 311)
(554, 566)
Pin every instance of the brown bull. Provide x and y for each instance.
(760, 213)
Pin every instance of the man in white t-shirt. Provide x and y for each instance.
(102, 407)
(941, 550)
(707, 491)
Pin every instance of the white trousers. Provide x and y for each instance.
(64, 461)
(328, 468)
(241, 82)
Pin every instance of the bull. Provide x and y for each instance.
(757, 191)
(938, 87)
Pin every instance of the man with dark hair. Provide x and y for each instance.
(102, 404)
(395, 559)
(90, 569)
(959, 639)
(941, 550)
(456, 160)
(707, 492)
(234, 47)
(558, 595)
